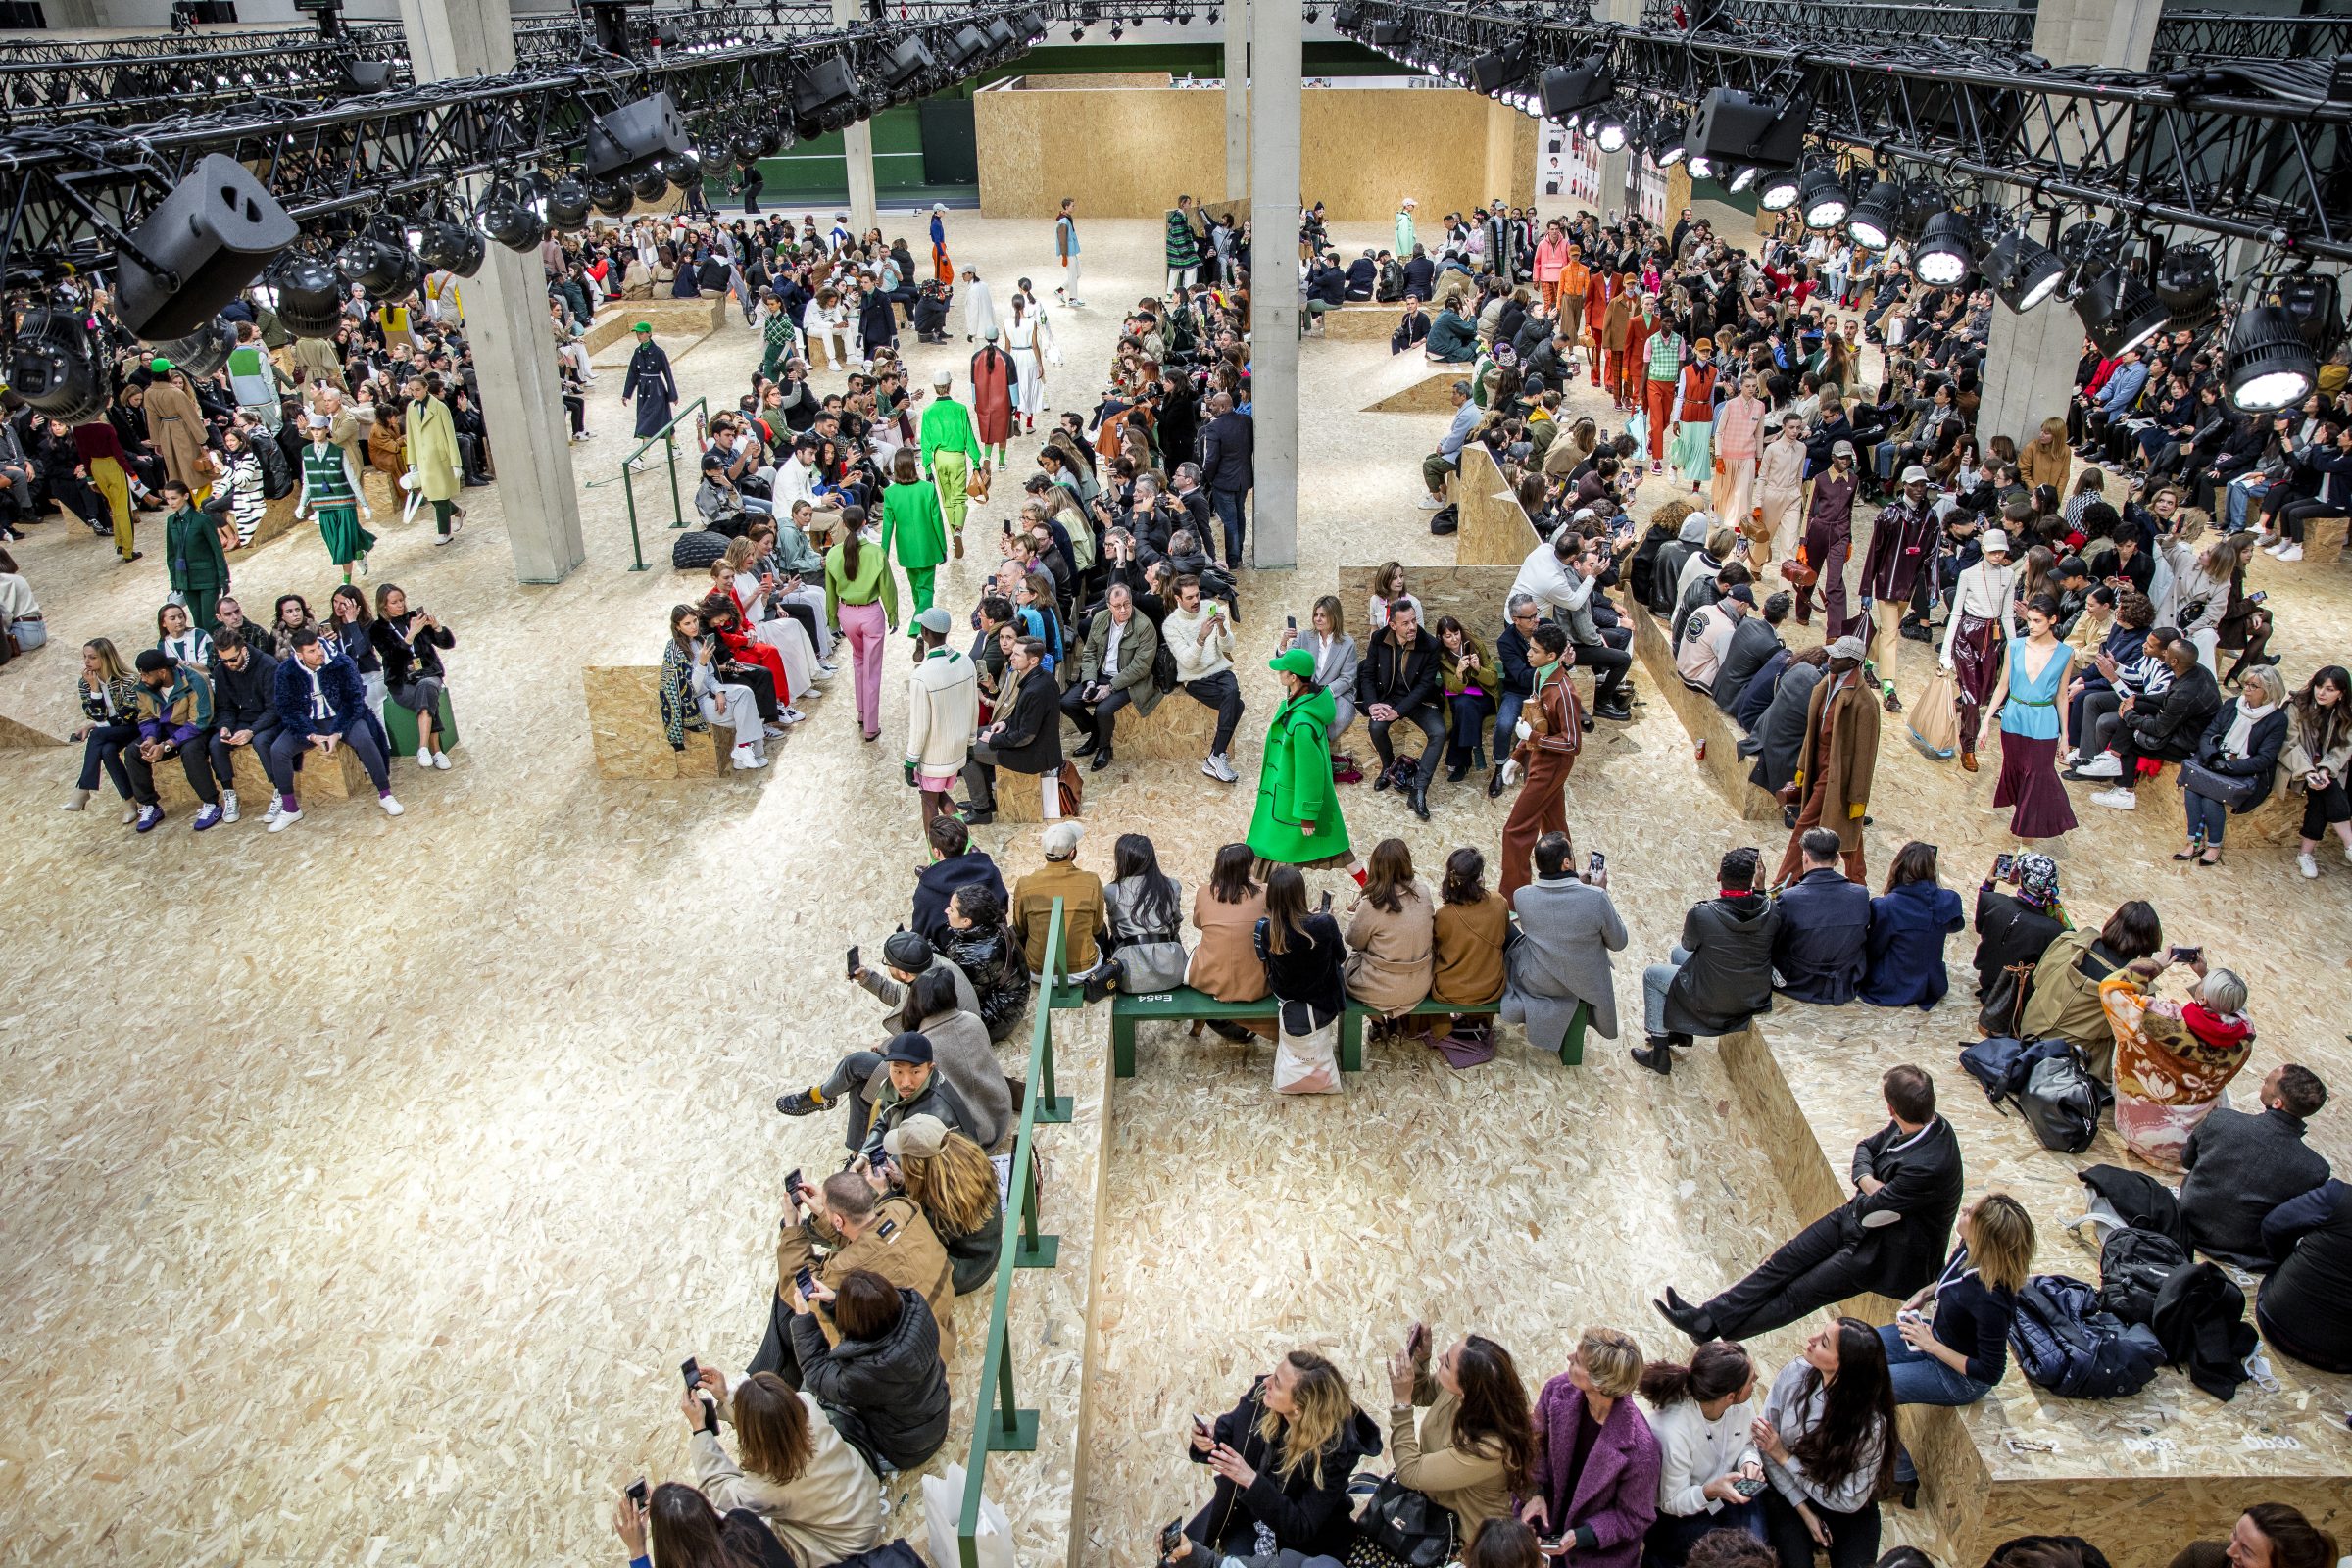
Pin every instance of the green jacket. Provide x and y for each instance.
(1182, 251)
(1139, 645)
(911, 514)
(872, 584)
(1294, 785)
(948, 427)
(193, 551)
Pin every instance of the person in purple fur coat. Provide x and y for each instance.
(1596, 1460)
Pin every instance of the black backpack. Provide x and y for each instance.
(2133, 1265)
(2060, 1102)
(1163, 669)
(696, 549)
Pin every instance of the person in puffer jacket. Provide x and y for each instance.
(1283, 1458)
(883, 1385)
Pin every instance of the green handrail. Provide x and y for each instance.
(668, 435)
(1009, 1428)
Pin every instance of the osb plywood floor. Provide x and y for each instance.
(369, 1181)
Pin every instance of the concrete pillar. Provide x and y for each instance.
(1236, 100)
(2029, 359)
(1274, 46)
(857, 143)
(1617, 168)
(505, 322)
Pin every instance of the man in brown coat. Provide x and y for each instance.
(1841, 753)
(1555, 733)
(176, 430)
(864, 1230)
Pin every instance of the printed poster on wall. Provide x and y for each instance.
(1651, 191)
(1567, 166)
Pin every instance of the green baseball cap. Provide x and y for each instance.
(1293, 662)
(159, 364)
(644, 326)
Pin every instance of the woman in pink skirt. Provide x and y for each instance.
(2026, 700)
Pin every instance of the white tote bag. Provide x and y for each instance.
(943, 1511)
(1310, 1063)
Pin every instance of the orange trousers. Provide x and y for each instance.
(1660, 410)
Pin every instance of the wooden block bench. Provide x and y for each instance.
(678, 324)
(1184, 1005)
(2276, 823)
(1021, 797)
(2323, 540)
(1363, 322)
(624, 725)
(1177, 731)
(277, 521)
(1722, 764)
(321, 778)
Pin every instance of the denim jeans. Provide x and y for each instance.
(1920, 1379)
(1654, 981)
(2241, 490)
(1227, 507)
(2208, 819)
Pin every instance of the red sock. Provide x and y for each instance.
(1359, 877)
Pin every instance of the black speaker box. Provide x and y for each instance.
(218, 230)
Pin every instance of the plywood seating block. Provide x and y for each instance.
(1473, 594)
(1021, 797)
(624, 726)
(677, 323)
(277, 521)
(1431, 393)
(322, 778)
(2138, 1475)
(2276, 823)
(1723, 765)
(1178, 729)
(1495, 529)
(2323, 540)
(1363, 323)
(14, 735)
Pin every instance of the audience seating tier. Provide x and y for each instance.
(1431, 393)
(322, 778)
(277, 521)
(2140, 1476)
(1494, 528)
(2277, 823)
(2323, 540)
(1176, 730)
(625, 724)
(15, 735)
(678, 324)
(1362, 322)
(1184, 1005)
(1707, 724)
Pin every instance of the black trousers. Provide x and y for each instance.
(1097, 720)
(195, 761)
(1817, 1269)
(1224, 694)
(224, 756)
(777, 1354)
(2291, 516)
(1430, 719)
(1608, 666)
(1853, 1537)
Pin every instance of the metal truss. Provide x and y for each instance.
(55, 83)
(72, 192)
(2269, 163)
(2206, 37)
(2008, 28)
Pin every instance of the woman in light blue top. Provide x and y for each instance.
(2027, 696)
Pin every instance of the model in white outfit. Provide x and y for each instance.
(823, 324)
(1020, 340)
(783, 634)
(979, 308)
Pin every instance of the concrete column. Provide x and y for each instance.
(1274, 43)
(2029, 359)
(505, 322)
(1236, 100)
(857, 143)
(1617, 168)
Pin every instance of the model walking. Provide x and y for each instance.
(1983, 615)
(331, 488)
(1021, 335)
(2025, 697)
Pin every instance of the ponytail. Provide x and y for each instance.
(1716, 1368)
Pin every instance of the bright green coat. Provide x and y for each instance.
(1294, 785)
(911, 514)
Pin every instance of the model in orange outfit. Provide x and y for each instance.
(1574, 280)
(1599, 290)
(1633, 366)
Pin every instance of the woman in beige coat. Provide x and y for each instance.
(1391, 939)
(1226, 910)
(1476, 1446)
(812, 1488)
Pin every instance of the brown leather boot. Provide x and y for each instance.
(1968, 760)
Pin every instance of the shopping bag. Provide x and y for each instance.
(1637, 427)
(1308, 1063)
(943, 1511)
(1936, 718)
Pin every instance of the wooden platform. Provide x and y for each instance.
(1431, 393)
(2139, 1476)
(678, 324)
(1722, 764)
(624, 725)
(1362, 324)
(1177, 731)
(1495, 529)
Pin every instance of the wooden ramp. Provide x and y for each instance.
(1430, 395)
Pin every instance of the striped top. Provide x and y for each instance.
(322, 470)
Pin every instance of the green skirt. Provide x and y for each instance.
(346, 540)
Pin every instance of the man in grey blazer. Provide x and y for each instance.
(1568, 927)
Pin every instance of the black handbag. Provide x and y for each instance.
(2231, 789)
(1406, 1526)
(2060, 1102)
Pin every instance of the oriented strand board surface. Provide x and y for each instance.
(625, 724)
(2139, 1475)
(678, 324)
(1432, 393)
(395, 1206)
(1495, 529)
(1707, 726)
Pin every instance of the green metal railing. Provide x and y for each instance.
(668, 435)
(1007, 1428)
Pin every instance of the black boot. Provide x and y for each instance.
(1420, 801)
(1686, 1318)
(1495, 784)
(1657, 1055)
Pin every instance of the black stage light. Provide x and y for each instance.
(52, 367)
(827, 97)
(370, 261)
(1499, 69)
(310, 297)
(682, 170)
(203, 351)
(449, 248)
(1945, 250)
(1567, 91)
(1823, 200)
(1610, 133)
(967, 45)
(216, 230)
(2023, 271)
(2119, 311)
(911, 59)
(1347, 16)
(2314, 301)
(629, 140)
(650, 187)
(1670, 151)
(1737, 127)
(2269, 365)
(1777, 191)
(505, 218)
(1877, 217)
(2189, 282)
(361, 79)
(612, 195)
(568, 204)
(1387, 34)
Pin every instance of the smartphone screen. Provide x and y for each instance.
(1291, 622)
(639, 1492)
(690, 1371)
(805, 1279)
(853, 964)
(1599, 863)
(2004, 864)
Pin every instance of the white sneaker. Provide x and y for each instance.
(276, 809)
(284, 818)
(441, 539)
(75, 800)
(228, 806)
(441, 761)
(2274, 546)
(639, 464)
(1432, 504)
(392, 807)
(829, 667)
(2119, 800)
(2104, 765)
(793, 715)
(2292, 552)
(2307, 866)
(747, 758)
(772, 731)
(2348, 854)
(1218, 768)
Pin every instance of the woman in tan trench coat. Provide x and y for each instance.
(1391, 934)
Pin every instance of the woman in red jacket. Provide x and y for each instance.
(723, 620)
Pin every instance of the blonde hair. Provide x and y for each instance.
(956, 1187)
(1324, 1406)
(2272, 684)
(2000, 1241)
(1720, 539)
(1612, 1362)
(1670, 515)
(739, 555)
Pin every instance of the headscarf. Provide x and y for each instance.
(2038, 881)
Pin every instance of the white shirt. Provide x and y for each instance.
(1110, 651)
(16, 598)
(1197, 658)
(1550, 580)
(1693, 1450)
(1987, 592)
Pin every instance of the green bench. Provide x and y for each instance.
(400, 726)
(1184, 1005)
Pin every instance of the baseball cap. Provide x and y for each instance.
(1741, 592)
(922, 1137)
(644, 326)
(1293, 662)
(159, 364)
(908, 1046)
(1915, 474)
(1842, 449)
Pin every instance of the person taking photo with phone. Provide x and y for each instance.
(1709, 1475)
(1283, 1458)
(795, 1472)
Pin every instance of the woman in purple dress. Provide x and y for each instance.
(2026, 701)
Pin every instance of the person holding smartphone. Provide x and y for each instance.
(1283, 1457)
(1709, 1474)
(1587, 1427)
(2173, 1058)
